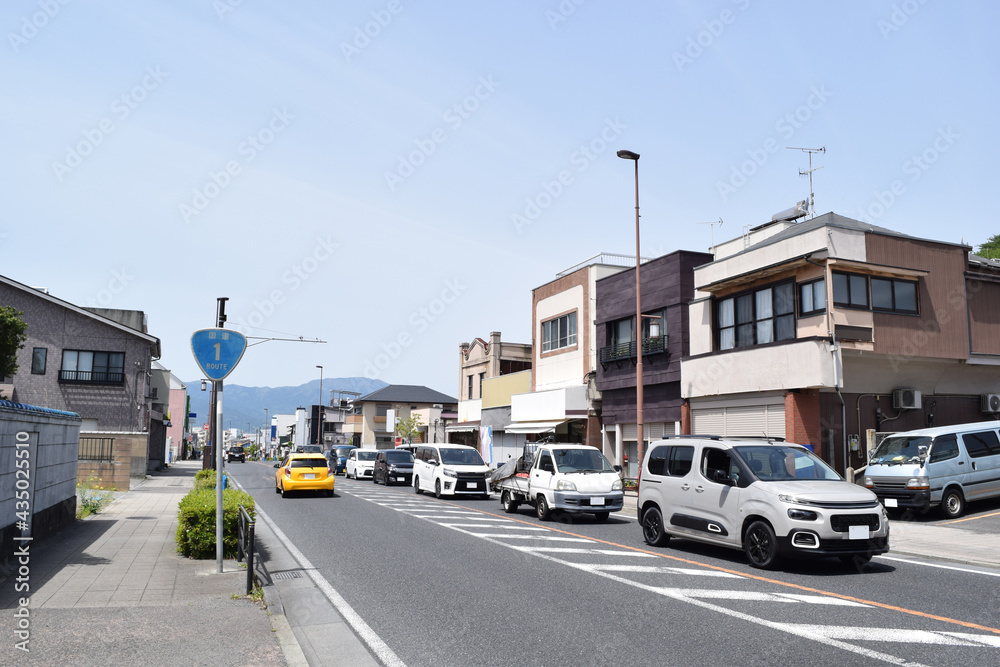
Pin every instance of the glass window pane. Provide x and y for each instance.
(859, 291)
(806, 298)
(116, 362)
(784, 299)
(70, 360)
(819, 295)
(726, 313)
(763, 298)
(744, 335)
(840, 294)
(906, 296)
(85, 361)
(727, 339)
(765, 331)
(38, 356)
(744, 309)
(784, 327)
(881, 293)
(571, 318)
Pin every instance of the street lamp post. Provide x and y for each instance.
(640, 441)
(267, 433)
(319, 410)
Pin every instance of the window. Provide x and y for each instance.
(38, 356)
(482, 376)
(468, 395)
(679, 461)
(981, 444)
(93, 367)
(763, 316)
(850, 290)
(559, 333)
(715, 461)
(382, 409)
(657, 460)
(945, 447)
(812, 297)
(895, 296)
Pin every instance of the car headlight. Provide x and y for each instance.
(801, 515)
(869, 483)
(447, 472)
(617, 485)
(565, 485)
(918, 483)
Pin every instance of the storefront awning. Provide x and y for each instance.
(534, 427)
(450, 428)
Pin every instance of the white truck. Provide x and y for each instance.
(568, 477)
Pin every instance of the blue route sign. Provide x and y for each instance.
(217, 351)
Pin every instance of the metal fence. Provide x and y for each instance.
(97, 449)
(244, 544)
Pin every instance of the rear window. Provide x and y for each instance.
(344, 451)
(367, 454)
(398, 456)
(236, 450)
(308, 463)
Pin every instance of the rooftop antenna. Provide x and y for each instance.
(809, 172)
(713, 223)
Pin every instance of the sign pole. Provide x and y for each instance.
(218, 475)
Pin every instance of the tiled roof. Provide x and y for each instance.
(407, 393)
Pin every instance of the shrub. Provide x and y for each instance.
(196, 522)
(94, 496)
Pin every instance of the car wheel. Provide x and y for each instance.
(509, 505)
(652, 528)
(760, 545)
(542, 508)
(952, 503)
(416, 485)
(437, 489)
(284, 494)
(602, 516)
(329, 494)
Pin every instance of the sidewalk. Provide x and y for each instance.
(112, 590)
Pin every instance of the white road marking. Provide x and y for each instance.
(754, 596)
(551, 538)
(480, 525)
(660, 569)
(904, 635)
(570, 550)
(941, 567)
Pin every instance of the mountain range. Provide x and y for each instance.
(243, 407)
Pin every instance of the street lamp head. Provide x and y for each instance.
(628, 155)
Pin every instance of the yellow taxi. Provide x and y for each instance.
(303, 472)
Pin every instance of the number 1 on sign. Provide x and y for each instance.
(217, 346)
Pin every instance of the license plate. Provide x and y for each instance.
(398, 479)
(858, 533)
(472, 485)
(309, 475)
(596, 500)
(891, 502)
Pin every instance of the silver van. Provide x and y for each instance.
(944, 466)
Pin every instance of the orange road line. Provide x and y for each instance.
(850, 598)
(970, 518)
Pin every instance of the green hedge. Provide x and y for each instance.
(196, 522)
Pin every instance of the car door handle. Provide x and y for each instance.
(685, 487)
(699, 489)
(961, 463)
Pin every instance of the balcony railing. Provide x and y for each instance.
(627, 350)
(97, 449)
(92, 377)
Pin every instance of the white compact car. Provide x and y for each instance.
(361, 463)
(770, 499)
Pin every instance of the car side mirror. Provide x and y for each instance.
(617, 468)
(721, 477)
(276, 465)
(432, 462)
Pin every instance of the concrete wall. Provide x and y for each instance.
(49, 477)
(130, 459)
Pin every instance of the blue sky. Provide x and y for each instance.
(394, 177)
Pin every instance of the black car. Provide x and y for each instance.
(393, 466)
(236, 454)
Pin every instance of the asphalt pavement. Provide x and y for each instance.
(87, 581)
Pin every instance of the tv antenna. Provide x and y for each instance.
(809, 173)
(713, 223)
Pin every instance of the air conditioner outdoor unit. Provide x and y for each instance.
(905, 399)
(990, 403)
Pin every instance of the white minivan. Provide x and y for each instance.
(944, 466)
(450, 470)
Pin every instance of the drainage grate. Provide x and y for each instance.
(286, 575)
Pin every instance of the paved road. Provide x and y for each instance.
(463, 583)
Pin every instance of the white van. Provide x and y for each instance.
(450, 470)
(944, 466)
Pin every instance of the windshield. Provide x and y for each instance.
(779, 462)
(399, 457)
(581, 460)
(367, 454)
(461, 457)
(344, 451)
(900, 449)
